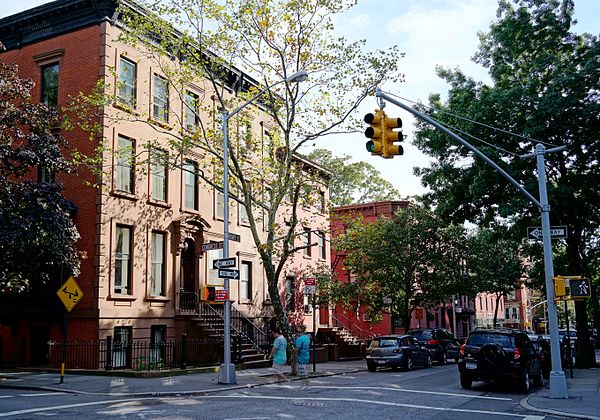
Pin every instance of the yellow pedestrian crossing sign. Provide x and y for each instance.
(69, 293)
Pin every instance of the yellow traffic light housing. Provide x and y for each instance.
(560, 289)
(390, 137)
(374, 132)
(382, 134)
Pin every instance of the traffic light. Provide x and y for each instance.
(374, 132)
(207, 294)
(382, 134)
(560, 289)
(390, 137)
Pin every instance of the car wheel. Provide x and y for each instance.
(409, 363)
(428, 363)
(466, 381)
(371, 367)
(524, 383)
(444, 359)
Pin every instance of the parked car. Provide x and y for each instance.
(396, 351)
(441, 344)
(500, 355)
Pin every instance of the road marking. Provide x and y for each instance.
(6, 396)
(534, 418)
(378, 388)
(45, 394)
(356, 400)
(60, 407)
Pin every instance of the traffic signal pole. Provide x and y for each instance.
(558, 382)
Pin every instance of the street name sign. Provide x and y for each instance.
(229, 274)
(233, 237)
(69, 293)
(211, 246)
(310, 281)
(224, 262)
(555, 232)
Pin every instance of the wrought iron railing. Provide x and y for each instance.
(242, 327)
(139, 355)
(340, 320)
(188, 302)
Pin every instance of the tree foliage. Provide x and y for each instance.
(37, 234)
(353, 182)
(495, 264)
(207, 42)
(415, 259)
(545, 83)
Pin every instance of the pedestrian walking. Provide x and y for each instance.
(279, 354)
(303, 354)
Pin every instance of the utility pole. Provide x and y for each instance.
(558, 381)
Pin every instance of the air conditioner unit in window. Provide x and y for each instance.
(306, 309)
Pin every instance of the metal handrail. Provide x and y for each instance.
(235, 324)
(367, 334)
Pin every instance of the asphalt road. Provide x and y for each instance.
(422, 393)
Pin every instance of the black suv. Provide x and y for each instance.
(500, 354)
(441, 344)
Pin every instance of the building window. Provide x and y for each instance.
(158, 338)
(322, 205)
(123, 260)
(125, 160)
(157, 276)
(306, 241)
(290, 304)
(213, 275)
(219, 204)
(45, 174)
(515, 313)
(122, 347)
(127, 82)
(321, 244)
(190, 119)
(506, 313)
(190, 185)
(159, 175)
(50, 85)
(246, 280)
(161, 99)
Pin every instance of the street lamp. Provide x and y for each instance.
(227, 369)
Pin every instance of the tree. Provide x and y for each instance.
(495, 264)
(544, 79)
(37, 234)
(353, 182)
(414, 259)
(207, 42)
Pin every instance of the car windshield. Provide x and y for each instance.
(484, 338)
(384, 342)
(422, 334)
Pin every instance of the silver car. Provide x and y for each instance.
(395, 352)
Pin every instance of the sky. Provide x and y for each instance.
(430, 33)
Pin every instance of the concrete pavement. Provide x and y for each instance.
(583, 401)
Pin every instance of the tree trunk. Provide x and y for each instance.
(498, 296)
(586, 357)
(593, 294)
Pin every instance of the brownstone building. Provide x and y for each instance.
(145, 273)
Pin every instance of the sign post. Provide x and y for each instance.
(69, 294)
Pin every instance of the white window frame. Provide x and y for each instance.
(127, 85)
(157, 271)
(125, 181)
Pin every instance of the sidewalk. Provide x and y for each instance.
(191, 384)
(583, 391)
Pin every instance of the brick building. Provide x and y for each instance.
(358, 322)
(142, 231)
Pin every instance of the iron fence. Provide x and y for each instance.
(137, 354)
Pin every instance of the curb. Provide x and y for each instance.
(167, 393)
(525, 404)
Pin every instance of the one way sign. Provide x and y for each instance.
(230, 274)
(555, 232)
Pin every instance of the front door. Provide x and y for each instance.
(188, 265)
